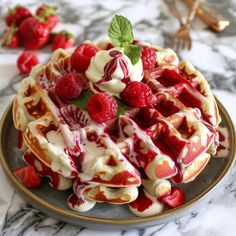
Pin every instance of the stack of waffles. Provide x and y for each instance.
(153, 149)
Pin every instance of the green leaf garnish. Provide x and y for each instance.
(133, 52)
(121, 107)
(120, 32)
(82, 100)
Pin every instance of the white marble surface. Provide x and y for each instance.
(213, 54)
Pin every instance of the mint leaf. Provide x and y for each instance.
(82, 100)
(121, 107)
(120, 31)
(133, 52)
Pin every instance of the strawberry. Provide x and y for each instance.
(48, 15)
(34, 34)
(27, 175)
(11, 37)
(26, 61)
(16, 15)
(63, 39)
(174, 199)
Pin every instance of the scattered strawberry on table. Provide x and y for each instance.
(11, 37)
(63, 39)
(34, 34)
(48, 15)
(34, 31)
(26, 61)
(16, 15)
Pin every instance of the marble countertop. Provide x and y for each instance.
(214, 54)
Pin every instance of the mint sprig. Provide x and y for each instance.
(120, 32)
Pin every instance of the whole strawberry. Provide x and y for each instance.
(48, 15)
(63, 39)
(34, 34)
(16, 15)
(11, 38)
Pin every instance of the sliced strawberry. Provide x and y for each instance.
(11, 38)
(16, 15)
(63, 39)
(27, 175)
(48, 15)
(174, 199)
(26, 61)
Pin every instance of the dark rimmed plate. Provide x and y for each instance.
(105, 216)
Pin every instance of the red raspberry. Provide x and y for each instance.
(137, 94)
(81, 57)
(149, 57)
(69, 86)
(26, 61)
(102, 107)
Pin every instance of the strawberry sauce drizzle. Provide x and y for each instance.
(75, 201)
(142, 203)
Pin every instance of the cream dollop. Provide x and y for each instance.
(110, 71)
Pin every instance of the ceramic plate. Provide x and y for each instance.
(105, 216)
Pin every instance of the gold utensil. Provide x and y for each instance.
(181, 39)
(171, 4)
(213, 18)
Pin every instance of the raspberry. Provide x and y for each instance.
(81, 57)
(69, 86)
(137, 94)
(26, 61)
(102, 107)
(148, 57)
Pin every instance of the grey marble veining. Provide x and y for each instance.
(213, 54)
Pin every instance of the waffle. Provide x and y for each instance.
(154, 147)
(51, 129)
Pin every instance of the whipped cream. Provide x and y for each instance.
(110, 71)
